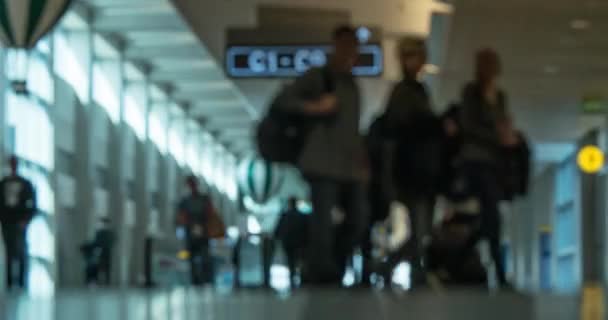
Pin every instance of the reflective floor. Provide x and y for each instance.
(190, 304)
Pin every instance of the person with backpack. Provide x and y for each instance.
(201, 222)
(415, 136)
(332, 156)
(486, 130)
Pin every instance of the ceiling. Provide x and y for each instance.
(548, 64)
(156, 39)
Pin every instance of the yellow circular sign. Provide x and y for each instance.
(590, 159)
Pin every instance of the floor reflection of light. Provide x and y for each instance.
(34, 308)
(349, 278)
(401, 276)
(279, 277)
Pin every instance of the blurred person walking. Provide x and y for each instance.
(17, 208)
(292, 234)
(98, 254)
(486, 130)
(201, 222)
(333, 158)
(415, 136)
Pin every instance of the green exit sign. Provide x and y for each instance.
(594, 104)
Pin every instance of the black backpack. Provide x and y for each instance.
(281, 135)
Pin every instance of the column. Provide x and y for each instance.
(84, 152)
(593, 234)
(116, 168)
(142, 193)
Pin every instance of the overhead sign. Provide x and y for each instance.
(590, 159)
(594, 103)
(291, 61)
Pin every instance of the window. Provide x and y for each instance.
(176, 141)
(231, 180)
(71, 58)
(40, 239)
(33, 130)
(566, 219)
(192, 146)
(207, 157)
(44, 193)
(105, 88)
(135, 115)
(219, 176)
(39, 79)
(158, 127)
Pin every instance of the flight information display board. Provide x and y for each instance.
(291, 61)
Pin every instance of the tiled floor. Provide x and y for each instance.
(188, 304)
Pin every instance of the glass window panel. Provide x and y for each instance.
(33, 131)
(70, 61)
(40, 239)
(39, 79)
(135, 115)
(158, 127)
(105, 89)
(176, 141)
(207, 158)
(103, 49)
(40, 282)
(231, 187)
(45, 196)
(566, 274)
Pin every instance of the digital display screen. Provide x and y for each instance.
(291, 61)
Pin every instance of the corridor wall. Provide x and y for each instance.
(81, 135)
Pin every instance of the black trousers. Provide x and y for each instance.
(202, 269)
(330, 247)
(483, 181)
(16, 253)
(102, 267)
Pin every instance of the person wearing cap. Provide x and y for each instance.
(17, 208)
(486, 129)
(414, 134)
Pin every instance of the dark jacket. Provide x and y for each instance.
(481, 141)
(334, 149)
(417, 134)
(17, 200)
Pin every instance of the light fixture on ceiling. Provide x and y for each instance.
(551, 69)
(580, 24)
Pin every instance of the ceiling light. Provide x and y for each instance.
(550, 69)
(580, 24)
